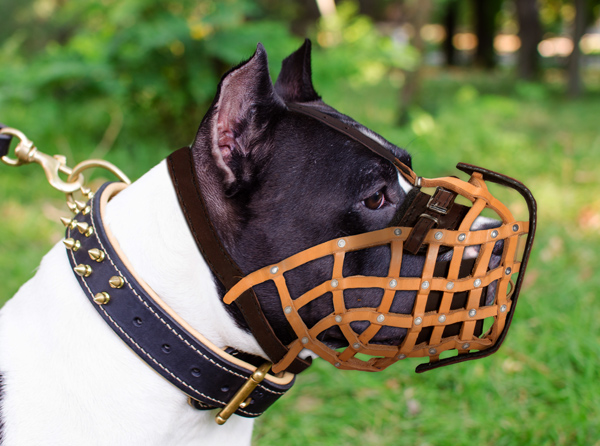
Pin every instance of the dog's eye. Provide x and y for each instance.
(375, 201)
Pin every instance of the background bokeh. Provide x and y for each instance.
(512, 85)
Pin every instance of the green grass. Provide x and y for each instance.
(541, 388)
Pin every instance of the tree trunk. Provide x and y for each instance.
(450, 19)
(485, 12)
(530, 33)
(418, 12)
(574, 68)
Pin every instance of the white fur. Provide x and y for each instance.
(69, 380)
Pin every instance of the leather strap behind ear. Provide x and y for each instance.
(222, 265)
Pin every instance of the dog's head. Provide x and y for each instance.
(276, 182)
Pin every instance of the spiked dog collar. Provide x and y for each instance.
(211, 377)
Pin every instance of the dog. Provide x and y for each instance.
(274, 183)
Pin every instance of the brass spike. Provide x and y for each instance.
(85, 190)
(116, 282)
(86, 210)
(72, 207)
(89, 231)
(82, 227)
(80, 205)
(71, 223)
(72, 244)
(83, 270)
(90, 195)
(102, 298)
(96, 254)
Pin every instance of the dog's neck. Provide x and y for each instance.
(148, 224)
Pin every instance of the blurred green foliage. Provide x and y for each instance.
(98, 65)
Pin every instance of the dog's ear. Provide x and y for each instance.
(245, 102)
(294, 83)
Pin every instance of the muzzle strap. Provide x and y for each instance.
(181, 169)
(356, 135)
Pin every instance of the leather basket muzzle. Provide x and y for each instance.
(463, 304)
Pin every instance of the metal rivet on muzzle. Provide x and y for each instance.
(380, 318)
(466, 345)
(337, 364)
(438, 235)
(449, 285)
(432, 351)
(338, 318)
(356, 346)
(397, 231)
(472, 312)
(402, 356)
(341, 243)
(334, 283)
(477, 283)
(462, 237)
(502, 308)
(393, 283)
(508, 271)
(418, 321)
(515, 228)
(274, 270)
(425, 285)
(287, 310)
(494, 233)
(304, 340)
(442, 319)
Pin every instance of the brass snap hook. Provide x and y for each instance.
(26, 153)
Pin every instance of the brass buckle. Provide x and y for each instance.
(242, 397)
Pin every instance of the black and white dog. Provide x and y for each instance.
(275, 184)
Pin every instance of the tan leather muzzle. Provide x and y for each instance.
(447, 309)
(463, 305)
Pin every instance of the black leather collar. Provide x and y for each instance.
(207, 374)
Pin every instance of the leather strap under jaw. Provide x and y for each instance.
(211, 377)
(181, 169)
